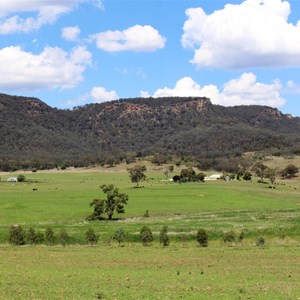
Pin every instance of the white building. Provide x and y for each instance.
(12, 179)
(214, 177)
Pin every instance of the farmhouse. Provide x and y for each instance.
(214, 177)
(12, 179)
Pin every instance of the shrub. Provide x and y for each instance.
(229, 237)
(260, 242)
(16, 235)
(49, 236)
(241, 236)
(202, 238)
(91, 237)
(119, 236)
(31, 236)
(163, 236)
(21, 178)
(63, 237)
(146, 235)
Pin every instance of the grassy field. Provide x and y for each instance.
(240, 270)
(138, 272)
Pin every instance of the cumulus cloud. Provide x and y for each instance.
(245, 90)
(70, 33)
(136, 38)
(100, 94)
(41, 13)
(255, 33)
(52, 68)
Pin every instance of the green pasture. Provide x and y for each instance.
(238, 270)
(62, 200)
(137, 272)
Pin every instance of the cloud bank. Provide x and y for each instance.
(43, 12)
(52, 68)
(136, 38)
(255, 33)
(245, 90)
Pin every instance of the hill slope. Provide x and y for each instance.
(30, 129)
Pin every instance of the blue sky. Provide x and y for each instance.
(74, 52)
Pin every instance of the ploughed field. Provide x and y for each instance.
(235, 270)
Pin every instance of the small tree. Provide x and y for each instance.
(202, 238)
(49, 236)
(91, 237)
(114, 202)
(119, 236)
(31, 236)
(229, 237)
(163, 236)
(259, 169)
(289, 171)
(271, 174)
(16, 235)
(63, 237)
(146, 235)
(247, 176)
(21, 178)
(136, 174)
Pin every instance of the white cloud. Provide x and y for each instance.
(52, 68)
(136, 38)
(40, 13)
(255, 33)
(100, 94)
(70, 33)
(244, 90)
(292, 87)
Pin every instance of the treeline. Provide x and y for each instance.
(35, 135)
(17, 236)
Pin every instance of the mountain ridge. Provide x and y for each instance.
(31, 130)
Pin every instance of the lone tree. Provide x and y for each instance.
(136, 174)
(163, 236)
(146, 235)
(260, 170)
(202, 237)
(114, 202)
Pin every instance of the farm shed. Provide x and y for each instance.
(12, 179)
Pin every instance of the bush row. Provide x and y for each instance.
(18, 236)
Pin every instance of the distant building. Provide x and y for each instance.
(214, 177)
(12, 179)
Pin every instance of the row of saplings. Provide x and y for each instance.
(18, 237)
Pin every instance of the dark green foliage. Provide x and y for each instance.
(63, 237)
(229, 237)
(146, 235)
(260, 242)
(163, 236)
(21, 178)
(114, 202)
(119, 236)
(136, 174)
(16, 235)
(202, 238)
(241, 236)
(146, 214)
(91, 237)
(49, 236)
(247, 176)
(31, 236)
(104, 133)
(289, 171)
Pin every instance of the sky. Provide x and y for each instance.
(70, 53)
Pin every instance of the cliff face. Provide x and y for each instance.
(182, 126)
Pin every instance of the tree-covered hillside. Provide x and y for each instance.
(33, 134)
